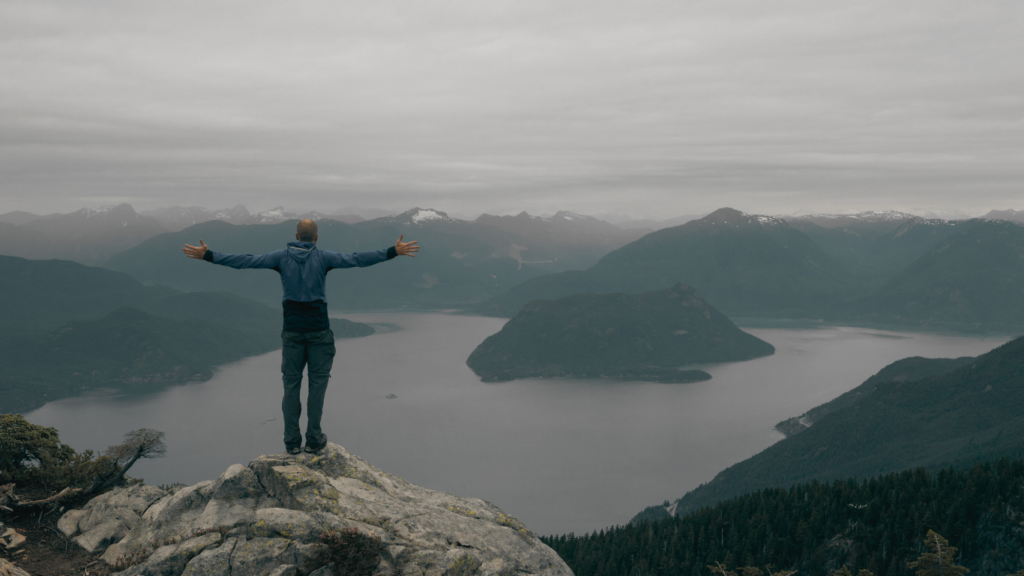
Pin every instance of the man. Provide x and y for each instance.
(307, 337)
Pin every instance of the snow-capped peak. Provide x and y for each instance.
(423, 215)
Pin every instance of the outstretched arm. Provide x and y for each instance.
(363, 259)
(203, 252)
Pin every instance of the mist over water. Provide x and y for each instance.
(561, 455)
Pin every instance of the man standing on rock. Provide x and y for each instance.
(307, 337)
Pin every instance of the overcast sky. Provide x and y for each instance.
(653, 109)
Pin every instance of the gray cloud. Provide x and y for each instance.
(653, 108)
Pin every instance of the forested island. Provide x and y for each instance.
(619, 336)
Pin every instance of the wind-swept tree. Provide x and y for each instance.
(138, 444)
(940, 561)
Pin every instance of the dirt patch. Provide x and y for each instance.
(46, 551)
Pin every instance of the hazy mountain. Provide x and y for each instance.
(64, 326)
(972, 278)
(18, 217)
(637, 337)
(904, 417)
(363, 212)
(589, 238)
(862, 219)
(279, 214)
(650, 224)
(176, 218)
(89, 236)
(846, 238)
(744, 265)
(893, 251)
(878, 246)
(39, 295)
(1010, 214)
(346, 218)
(461, 263)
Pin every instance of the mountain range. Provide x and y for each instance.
(743, 265)
(177, 218)
(461, 262)
(648, 336)
(892, 269)
(89, 236)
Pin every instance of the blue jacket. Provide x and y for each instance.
(303, 268)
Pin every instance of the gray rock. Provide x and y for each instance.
(125, 504)
(275, 510)
(324, 571)
(99, 537)
(285, 523)
(108, 517)
(259, 556)
(227, 514)
(68, 523)
(285, 570)
(174, 516)
(237, 483)
(171, 560)
(11, 538)
(212, 562)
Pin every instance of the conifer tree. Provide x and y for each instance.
(938, 562)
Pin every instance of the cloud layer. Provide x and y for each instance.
(650, 108)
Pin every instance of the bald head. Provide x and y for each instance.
(306, 231)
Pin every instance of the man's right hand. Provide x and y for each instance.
(196, 252)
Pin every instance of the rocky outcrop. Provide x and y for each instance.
(266, 519)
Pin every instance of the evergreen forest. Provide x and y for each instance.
(880, 524)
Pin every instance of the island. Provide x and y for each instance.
(649, 336)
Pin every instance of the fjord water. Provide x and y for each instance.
(561, 455)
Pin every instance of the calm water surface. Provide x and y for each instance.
(561, 455)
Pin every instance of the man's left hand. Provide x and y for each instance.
(406, 248)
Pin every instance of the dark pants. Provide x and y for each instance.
(299, 349)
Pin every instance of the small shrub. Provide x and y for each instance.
(464, 565)
(34, 455)
(513, 523)
(352, 552)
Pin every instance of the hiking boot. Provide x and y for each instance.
(294, 450)
(314, 449)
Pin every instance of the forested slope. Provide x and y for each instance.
(815, 528)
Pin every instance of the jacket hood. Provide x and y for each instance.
(300, 251)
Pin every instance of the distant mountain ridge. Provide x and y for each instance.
(88, 236)
(461, 262)
(1010, 214)
(973, 278)
(646, 336)
(742, 264)
(878, 269)
(177, 218)
(837, 220)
